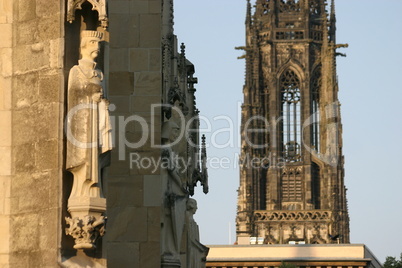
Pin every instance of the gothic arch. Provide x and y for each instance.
(295, 67)
(290, 99)
(315, 96)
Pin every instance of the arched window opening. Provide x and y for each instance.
(315, 186)
(315, 97)
(292, 188)
(291, 107)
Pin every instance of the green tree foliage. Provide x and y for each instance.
(289, 265)
(392, 262)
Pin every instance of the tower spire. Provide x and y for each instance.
(332, 18)
(290, 195)
(248, 15)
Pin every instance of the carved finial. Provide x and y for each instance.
(204, 172)
(203, 143)
(333, 7)
(248, 15)
(183, 49)
(332, 24)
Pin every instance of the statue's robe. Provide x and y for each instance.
(88, 125)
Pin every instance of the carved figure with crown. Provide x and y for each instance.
(88, 144)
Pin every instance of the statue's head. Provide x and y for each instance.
(90, 44)
(192, 205)
(170, 131)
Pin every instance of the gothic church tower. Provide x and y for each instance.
(292, 177)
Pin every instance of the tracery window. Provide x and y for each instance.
(316, 186)
(266, 9)
(289, 6)
(314, 7)
(291, 107)
(315, 102)
(292, 186)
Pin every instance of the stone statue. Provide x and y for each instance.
(88, 141)
(196, 252)
(175, 199)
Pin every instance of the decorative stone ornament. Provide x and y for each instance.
(85, 231)
(98, 5)
(88, 144)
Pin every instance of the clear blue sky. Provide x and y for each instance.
(370, 94)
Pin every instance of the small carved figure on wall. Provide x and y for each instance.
(196, 252)
(175, 199)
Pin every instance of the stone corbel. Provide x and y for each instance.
(98, 5)
(87, 222)
(86, 230)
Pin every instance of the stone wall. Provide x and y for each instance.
(31, 102)
(133, 193)
(6, 19)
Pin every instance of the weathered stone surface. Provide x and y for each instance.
(25, 232)
(127, 224)
(150, 31)
(144, 162)
(124, 254)
(119, 7)
(154, 223)
(122, 105)
(5, 62)
(19, 259)
(118, 34)
(5, 30)
(26, 90)
(144, 103)
(5, 127)
(31, 57)
(122, 190)
(139, 59)
(121, 164)
(31, 201)
(43, 160)
(5, 93)
(27, 32)
(5, 196)
(47, 121)
(140, 7)
(154, 7)
(49, 88)
(152, 190)
(5, 163)
(48, 28)
(147, 83)
(147, 257)
(43, 9)
(134, 31)
(121, 83)
(119, 60)
(6, 12)
(26, 10)
(22, 123)
(4, 233)
(155, 60)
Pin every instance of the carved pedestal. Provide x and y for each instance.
(170, 262)
(87, 222)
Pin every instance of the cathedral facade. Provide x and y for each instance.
(291, 177)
